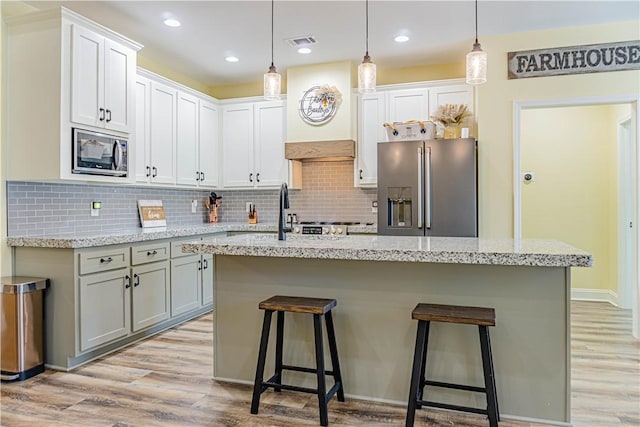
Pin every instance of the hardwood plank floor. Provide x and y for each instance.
(165, 381)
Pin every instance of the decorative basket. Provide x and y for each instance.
(410, 130)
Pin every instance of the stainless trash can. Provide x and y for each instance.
(22, 323)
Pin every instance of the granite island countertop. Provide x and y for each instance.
(94, 239)
(447, 250)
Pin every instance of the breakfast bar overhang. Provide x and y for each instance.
(377, 281)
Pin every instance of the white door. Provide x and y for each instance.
(372, 113)
(409, 104)
(119, 73)
(87, 77)
(141, 137)
(208, 156)
(163, 134)
(626, 192)
(270, 165)
(237, 146)
(187, 172)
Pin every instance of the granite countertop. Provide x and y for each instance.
(448, 250)
(94, 239)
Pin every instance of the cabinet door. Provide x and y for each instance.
(119, 75)
(207, 279)
(104, 308)
(372, 114)
(408, 104)
(453, 94)
(163, 134)
(87, 77)
(270, 164)
(150, 294)
(186, 281)
(209, 143)
(141, 137)
(187, 172)
(237, 146)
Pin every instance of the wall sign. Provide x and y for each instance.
(593, 58)
(319, 104)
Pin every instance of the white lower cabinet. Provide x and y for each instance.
(150, 294)
(186, 283)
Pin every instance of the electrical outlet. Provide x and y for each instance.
(95, 208)
(194, 206)
(374, 206)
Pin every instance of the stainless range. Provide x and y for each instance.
(317, 228)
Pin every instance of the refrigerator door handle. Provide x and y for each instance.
(427, 193)
(420, 177)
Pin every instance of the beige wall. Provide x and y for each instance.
(574, 153)
(495, 107)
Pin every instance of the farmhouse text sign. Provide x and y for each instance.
(593, 58)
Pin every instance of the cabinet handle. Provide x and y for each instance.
(136, 280)
(201, 176)
(199, 265)
(258, 177)
(101, 118)
(251, 177)
(150, 253)
(109, 116)
(148, 171)
(360, 173)
(105, 260)
(206, 264)
(155, 172)
(127, 282)
(197, 176)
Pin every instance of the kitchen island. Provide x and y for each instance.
(377, 281)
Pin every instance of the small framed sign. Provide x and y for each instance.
(151, 213)
(319, 104)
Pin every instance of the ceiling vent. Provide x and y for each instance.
(301, 41)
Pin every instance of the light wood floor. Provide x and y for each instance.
(165, 381)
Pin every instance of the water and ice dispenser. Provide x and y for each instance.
(399, 207)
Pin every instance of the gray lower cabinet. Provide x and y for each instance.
(104, 298)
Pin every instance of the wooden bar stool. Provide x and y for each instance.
(483, 318)
(319, 307)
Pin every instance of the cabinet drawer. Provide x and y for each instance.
(149, 253)
(103, 260)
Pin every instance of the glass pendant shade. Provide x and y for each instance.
(367, 76)
(476, 65)
(272, 87)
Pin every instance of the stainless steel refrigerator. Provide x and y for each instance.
(428, 188)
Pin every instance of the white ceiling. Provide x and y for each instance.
(441, 31)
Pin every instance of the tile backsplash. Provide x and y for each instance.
(37, 209)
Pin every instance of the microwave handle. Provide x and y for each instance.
(117, 155)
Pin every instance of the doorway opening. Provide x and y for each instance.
(581, 160)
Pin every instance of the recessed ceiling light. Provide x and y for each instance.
(170, 22)
(231, 59)
(401, 39)
(304, 50)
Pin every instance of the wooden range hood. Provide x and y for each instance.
(333, 150)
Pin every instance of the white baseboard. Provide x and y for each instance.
(602, 295)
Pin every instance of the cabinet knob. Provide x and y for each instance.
(199, 265)
(258, 177)
(105, 260)
(101, 118)
(360, 173)
(205, 263)
(155, 172)
(148, 171)
(108, 116)
(201, 176)
(136, 280)
(251, 177)
(151, 253)
(127, 282)
(197, 176)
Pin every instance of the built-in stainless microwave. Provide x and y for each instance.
(99, 154)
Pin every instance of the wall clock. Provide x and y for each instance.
(319, 104)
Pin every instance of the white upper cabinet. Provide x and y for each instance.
(141, 135)
(208, 157)
(454, 94)
(163, 134)
(372, 108)
(102, 77)
(408, 104)
(253, 145)
(187, 140)
(68, 72)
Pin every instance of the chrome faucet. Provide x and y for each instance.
(284, 204)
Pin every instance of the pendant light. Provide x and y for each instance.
(367, 70)
(272, 78)
(476, 61)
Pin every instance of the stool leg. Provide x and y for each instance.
(333, 349)
(262, 355)
(322, 387)
(489, 376)
(279, 341)
(423, 367)
(415, 372)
